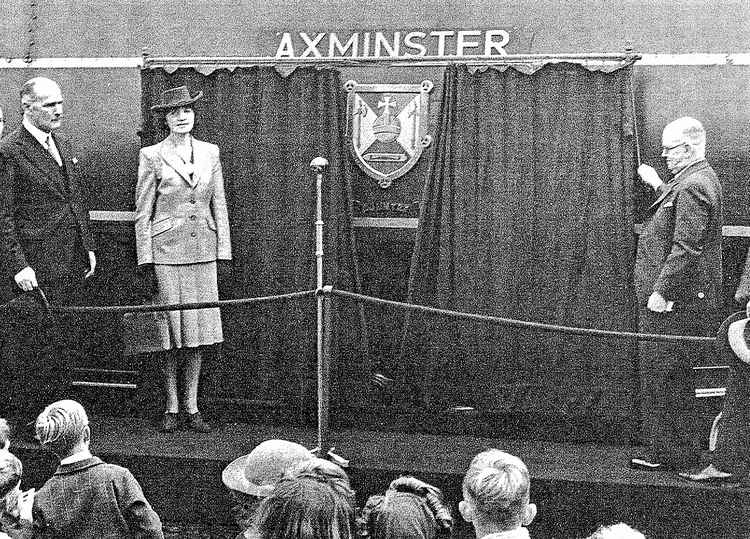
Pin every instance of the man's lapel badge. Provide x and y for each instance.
(387, 127)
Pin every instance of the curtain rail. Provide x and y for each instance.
(135, 62)
(400, 61)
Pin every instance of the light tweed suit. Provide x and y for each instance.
(181, 219)
(182, 227)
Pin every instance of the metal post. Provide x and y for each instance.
(318, 165)
(324, 327)
(324, 376)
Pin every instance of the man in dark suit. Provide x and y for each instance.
(678, 287)
(45, 242)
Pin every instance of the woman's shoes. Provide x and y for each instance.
(195, 422)
(169, 422)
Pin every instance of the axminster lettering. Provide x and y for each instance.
(397, 44)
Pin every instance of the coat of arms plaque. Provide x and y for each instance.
(387, 127)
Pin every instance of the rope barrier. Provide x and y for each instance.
(327, 290)
(113, 309)
(522, 323)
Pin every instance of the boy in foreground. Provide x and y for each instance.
(86, 497)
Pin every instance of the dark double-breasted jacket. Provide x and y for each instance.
(679, 250)
(43, 221)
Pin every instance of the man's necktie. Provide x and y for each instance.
(49, 143)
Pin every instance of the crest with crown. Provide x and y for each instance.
(387, 127)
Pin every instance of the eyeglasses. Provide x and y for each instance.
(666, 149)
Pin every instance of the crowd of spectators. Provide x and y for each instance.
(280, 491)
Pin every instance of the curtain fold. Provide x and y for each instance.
(527, 213)
(268, 129)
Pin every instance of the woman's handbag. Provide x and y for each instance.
(145, 332)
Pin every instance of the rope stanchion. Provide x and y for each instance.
(324, 326)
(523, 323)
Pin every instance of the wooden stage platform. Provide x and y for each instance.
(576, 486)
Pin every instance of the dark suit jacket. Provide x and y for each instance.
(43, 221)
(92, 499)
(679, 250)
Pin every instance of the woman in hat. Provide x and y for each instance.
(182, 230)
(251, 478)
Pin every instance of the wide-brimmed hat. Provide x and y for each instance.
(176, 97)
(733, 337)
(257, 472)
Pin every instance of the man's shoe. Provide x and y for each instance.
(709, 474)
(644, 463)
(169, 422)
(195, 422)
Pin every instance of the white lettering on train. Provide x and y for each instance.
(382, 44)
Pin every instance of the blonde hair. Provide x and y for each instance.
(62, 426)
(497, 484)
(616, 531)
(4, 432)
(11, 471)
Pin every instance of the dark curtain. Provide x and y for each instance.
(527, 214)
(268, 129)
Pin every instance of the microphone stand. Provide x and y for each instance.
(324, 326)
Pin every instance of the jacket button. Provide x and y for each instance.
(701, 295)
(192, 217)
(192, 201)
(192, 234)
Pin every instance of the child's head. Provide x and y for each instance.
(303, 507)
(10, 481)
(63, 427)
(496, 492)
(4, 434)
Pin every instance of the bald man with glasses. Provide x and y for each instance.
(678, 288)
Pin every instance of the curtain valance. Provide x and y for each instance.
(524, 63)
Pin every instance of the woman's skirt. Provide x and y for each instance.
(188, 283)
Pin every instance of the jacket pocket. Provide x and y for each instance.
(161, 226)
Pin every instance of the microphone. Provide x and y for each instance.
(318, 164)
